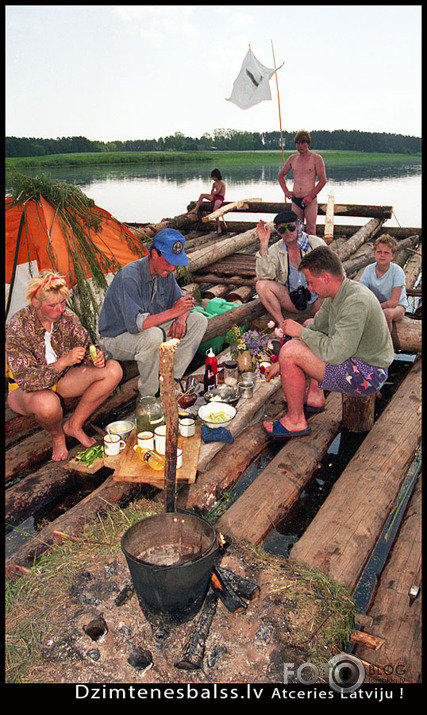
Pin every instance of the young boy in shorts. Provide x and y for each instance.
(387, 280)
(346, 347)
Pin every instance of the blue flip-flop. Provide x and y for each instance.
(280, 431)
(308, 409)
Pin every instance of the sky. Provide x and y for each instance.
(109, 72)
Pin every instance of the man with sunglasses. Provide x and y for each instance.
(308, 168)
(280, 285)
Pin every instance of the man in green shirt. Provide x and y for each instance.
(346, 347)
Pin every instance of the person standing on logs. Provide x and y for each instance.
(279, 283)
(308, 168)
(144, 306)
(217, 196)
(47, 352)
(346, 347)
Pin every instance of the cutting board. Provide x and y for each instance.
(132, 469)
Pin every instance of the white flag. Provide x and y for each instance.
(252, 84)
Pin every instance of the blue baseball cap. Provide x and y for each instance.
(171, 244)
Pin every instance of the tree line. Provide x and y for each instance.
(222, 140)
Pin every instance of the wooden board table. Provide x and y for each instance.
(130, 468)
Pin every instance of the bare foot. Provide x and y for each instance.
(60, 451)
(292, 427)
(78, 433)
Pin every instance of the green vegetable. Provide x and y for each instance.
(89, 455)
(217, 417)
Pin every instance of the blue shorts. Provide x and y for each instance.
(354, 377)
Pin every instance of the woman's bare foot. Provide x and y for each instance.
(60, 451)
(78, 433)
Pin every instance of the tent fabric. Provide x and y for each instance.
(42, 245)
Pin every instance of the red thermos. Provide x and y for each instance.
(211, 370)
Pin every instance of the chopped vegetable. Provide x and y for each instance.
(217, 417)
(88, 456)
(93, 352)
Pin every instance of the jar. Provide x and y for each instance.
(231, 373)
(148, 414)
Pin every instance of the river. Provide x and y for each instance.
(141, 193)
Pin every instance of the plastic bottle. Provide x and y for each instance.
(155, 461)
(211, 370)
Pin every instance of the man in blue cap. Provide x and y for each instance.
(144, 306)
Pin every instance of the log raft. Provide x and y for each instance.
(36, 482)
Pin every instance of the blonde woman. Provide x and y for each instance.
(47, 352)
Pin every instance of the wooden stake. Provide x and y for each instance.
(278, 103)
(167, 393)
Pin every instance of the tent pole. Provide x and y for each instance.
(278, 104)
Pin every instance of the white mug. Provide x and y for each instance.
(187, 426)
(113, 445)
(160, 439)
(145, 440)
(179, 458)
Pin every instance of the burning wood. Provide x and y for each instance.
(192, 658)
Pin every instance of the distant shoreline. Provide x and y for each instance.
(217, 158)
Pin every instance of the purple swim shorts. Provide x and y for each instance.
(354, 377)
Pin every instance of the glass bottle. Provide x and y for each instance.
(231, 373)
(154, 460)
(148, 414)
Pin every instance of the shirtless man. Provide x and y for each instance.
(308, 168)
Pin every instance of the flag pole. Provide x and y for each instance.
(278, 104)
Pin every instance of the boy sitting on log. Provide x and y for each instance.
(387, 280)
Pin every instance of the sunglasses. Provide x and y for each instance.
(286, 229)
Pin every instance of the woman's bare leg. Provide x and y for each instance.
(46, 407)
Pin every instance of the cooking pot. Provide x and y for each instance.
(170, 558)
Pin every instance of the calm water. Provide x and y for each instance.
(148, 194)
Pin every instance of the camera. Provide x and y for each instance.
(300, 297)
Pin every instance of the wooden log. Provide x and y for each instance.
(241, 294)
(212, 253)
(228, 465)
(362, 210)
(226, 280)
(194, 650)
(358, 413)
(343, 533)
(216, 291)
(37, 491)
(358, 238)
(393, 617)
(219, 324)
(167, 393)
(407, 335)
(275, 491)
(366, 639)
(230, 598)
(242, 586)
(328, 233)
(110, 495)
(242, 204)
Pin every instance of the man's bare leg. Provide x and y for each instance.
(310, 215)
(296, 362)
(274, 297)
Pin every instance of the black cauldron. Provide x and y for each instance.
(170, 558)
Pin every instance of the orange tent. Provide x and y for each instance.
(35, 239)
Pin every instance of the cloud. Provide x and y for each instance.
(156, 23)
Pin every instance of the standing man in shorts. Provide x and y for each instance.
(307, 168)
(346, 347)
